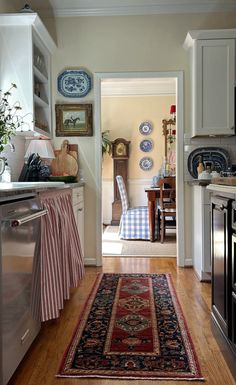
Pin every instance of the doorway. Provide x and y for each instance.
(103, 78)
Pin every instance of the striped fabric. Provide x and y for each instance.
(134, 223)
(61, 254)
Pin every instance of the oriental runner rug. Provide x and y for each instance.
(132, 327)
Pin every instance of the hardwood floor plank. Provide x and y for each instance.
(43, 359)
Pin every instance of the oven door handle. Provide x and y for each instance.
(15, 222)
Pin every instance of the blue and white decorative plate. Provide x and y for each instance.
(146, 145)
(146, 163)
(74, 83)
(145, 128)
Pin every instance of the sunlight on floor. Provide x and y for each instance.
(111, 248)
(113, 245)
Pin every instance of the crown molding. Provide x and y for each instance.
(161, 7)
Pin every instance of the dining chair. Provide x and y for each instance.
(167, 205)
(134, 222)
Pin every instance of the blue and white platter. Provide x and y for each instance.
(146, 163)
(145, 128)
(74, 83)
(146, 145)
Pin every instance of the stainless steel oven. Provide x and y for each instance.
(19, 280)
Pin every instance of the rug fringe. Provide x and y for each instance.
(130, 378)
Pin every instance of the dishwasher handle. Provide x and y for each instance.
(15, 222)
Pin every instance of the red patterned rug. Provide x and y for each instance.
(132, 327)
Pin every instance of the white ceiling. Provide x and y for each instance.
(69, 8)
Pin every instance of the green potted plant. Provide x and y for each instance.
(9, 118)
(106, 143)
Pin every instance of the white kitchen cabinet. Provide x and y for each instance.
(212, 55)
(201, 233)
(25, 60)
(78, 207)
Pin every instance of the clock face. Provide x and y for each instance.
(121, 149)
(74, 83)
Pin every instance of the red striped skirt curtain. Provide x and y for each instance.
(61, 254)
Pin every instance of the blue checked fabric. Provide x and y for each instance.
(134, 221)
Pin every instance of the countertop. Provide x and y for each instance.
(24, 189)
(221, 188)
(199, 182)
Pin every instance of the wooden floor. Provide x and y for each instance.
(41, 363)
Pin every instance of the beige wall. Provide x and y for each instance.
(122, 44)
(122, 116)
(8, 6)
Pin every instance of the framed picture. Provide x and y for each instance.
(74, 120)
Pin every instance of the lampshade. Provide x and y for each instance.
(42, 147)
(173, 109)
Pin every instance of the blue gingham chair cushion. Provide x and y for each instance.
(123, 193)
(134, 222)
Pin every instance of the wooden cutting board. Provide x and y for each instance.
(229, 181)
(66, 160)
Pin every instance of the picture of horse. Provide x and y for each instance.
(74, 120)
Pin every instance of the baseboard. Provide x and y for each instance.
(188, 262)
(90, 262)
(106, 222)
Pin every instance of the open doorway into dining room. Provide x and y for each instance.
(125, 103)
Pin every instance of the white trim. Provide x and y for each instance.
(188, 262)
(132, 181)
(206, 34)
(98, 168)
(136, 87)
(32, 19)
(167, 7)
(90, 262)
(180, 153)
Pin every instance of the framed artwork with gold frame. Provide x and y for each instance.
(74, 120)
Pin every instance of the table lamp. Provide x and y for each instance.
(34, 168)
(42, 147)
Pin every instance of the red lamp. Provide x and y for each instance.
(173, 111)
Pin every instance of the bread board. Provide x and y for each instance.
(229, 180)
(66, 160)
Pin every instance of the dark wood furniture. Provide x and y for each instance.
(120, 155)
(153, 193)
(167, 205)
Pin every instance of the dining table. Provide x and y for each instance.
(153, 194)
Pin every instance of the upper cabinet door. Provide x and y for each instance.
(213, 87)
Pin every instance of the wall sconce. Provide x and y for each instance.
(173, 111)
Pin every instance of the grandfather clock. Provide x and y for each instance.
(120, 155)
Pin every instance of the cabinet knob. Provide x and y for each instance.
(80, 210)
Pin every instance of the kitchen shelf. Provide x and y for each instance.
(39, 75)
(40, 102)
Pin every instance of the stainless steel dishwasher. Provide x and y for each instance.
(19, 280)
